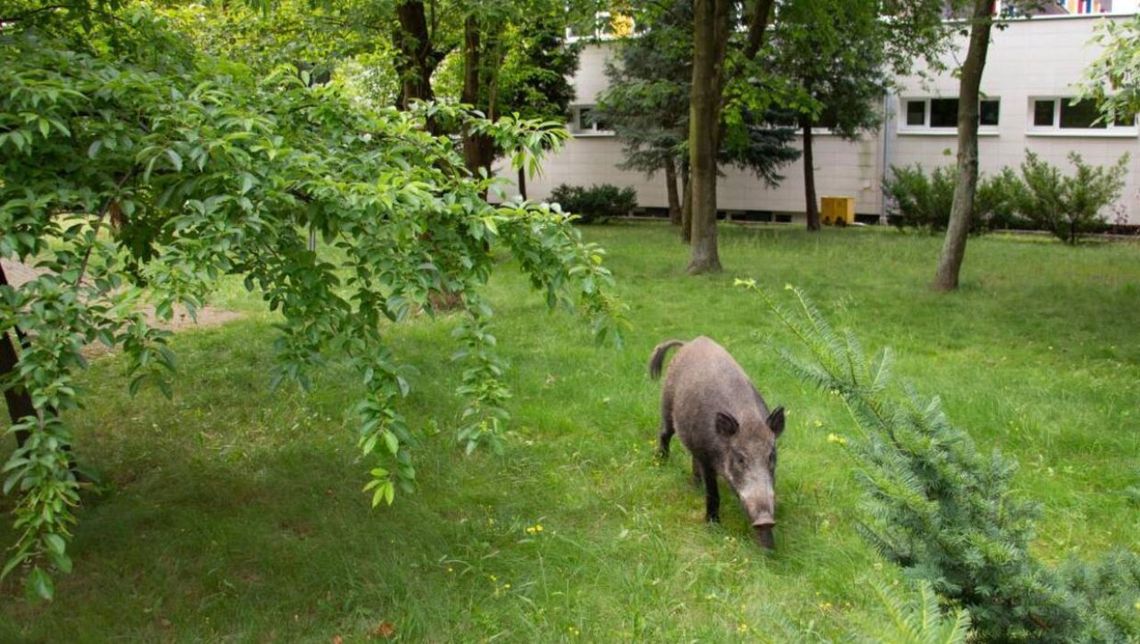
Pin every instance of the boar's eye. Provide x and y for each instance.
(738, 459)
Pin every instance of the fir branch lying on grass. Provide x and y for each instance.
(948, 514)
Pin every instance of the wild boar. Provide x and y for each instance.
(722, 420)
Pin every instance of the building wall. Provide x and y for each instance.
(1041, 57)
(1044, 56)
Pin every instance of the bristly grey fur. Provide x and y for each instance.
(722, 420)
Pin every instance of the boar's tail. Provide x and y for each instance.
(658, 358)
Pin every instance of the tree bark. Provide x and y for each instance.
(522, 182)
(711, 26)
(811, 202)
(671, 191)
(686, 204)
(19, 402)
(962, 210)
(417, 58)
(478, 149)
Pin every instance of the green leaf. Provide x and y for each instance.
(390, 440)
(39, 584)
(55, 543)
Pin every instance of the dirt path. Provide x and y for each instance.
(208, 316)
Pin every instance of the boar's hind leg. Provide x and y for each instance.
(667, 429)
(712, 494)
(697, 478)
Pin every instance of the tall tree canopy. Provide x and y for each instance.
(131, 158)
(729, 38)
(647, 104)
(647, 98)
(834, 55)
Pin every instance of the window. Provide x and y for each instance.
(584, 122)
(988, 111)
(941, 114)
(916, 113)
(1055, 114)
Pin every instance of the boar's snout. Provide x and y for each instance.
(763, 532)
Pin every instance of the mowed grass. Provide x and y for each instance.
(235, 512)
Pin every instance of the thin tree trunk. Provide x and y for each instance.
(962, 210)
(522, 182)
(416, 60)
(686, 204)
(810, 200)
(710, 37)
(19, 402)
(478, 149)
(671, 191)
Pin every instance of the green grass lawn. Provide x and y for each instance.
(235, 512)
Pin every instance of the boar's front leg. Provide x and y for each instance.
(712, 494)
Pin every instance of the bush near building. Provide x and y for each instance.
(1040, 198)
(596, 203)
(1068, 206)
(918, 200)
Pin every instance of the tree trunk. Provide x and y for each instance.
(671, 191)
(19, 402)
(686, 204)
(478, 149)
(810, 200)
(962, 210)
(711, 27)
(416, 59)
(522, 183)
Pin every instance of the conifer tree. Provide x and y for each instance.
(947, 513)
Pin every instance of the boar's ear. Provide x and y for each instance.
(726, 425)
(776, 421)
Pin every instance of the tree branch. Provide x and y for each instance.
(757, 26)
(99, 224)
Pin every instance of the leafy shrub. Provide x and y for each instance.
(596, 203)
(947, 513)
(916, 200)
(1068, 206)
(994, 203)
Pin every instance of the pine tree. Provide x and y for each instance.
(948, 514)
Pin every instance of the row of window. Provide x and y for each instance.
(1046, 114)
(943, 112)
(940, 115)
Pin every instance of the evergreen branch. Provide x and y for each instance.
(948, 515)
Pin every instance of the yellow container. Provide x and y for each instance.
(837, 211)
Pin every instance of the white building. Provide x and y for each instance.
(1032, 67)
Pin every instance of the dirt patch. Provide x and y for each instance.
(18, 274)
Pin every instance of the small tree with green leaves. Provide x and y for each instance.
(947, 513)
(133, 166)
(1068, 206)
(1113, 78)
